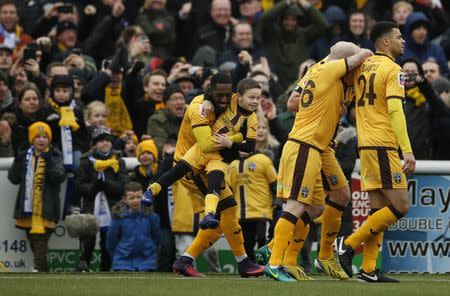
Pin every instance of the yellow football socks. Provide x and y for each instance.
(331, 222)
(232, 230)
(204, 239)
(211, 202)
(295, 245)
(270, 245)
(375, 224)
(284, 232)
(370, 254)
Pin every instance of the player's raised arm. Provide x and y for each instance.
(357, 59)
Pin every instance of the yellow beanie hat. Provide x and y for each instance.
(149, 146)
(39, 128)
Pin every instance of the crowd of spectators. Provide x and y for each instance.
(109, 75)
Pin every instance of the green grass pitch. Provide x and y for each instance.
(149, 284)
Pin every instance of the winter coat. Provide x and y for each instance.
(138, 107)
(159, 26)
(215, 36)
(289, 49)
(133, 238)
(87, 186)
(164, 128)
(418, 122)
(422, 52)
(54, 176)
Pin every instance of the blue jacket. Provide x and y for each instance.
(133, 239)
(422, 52)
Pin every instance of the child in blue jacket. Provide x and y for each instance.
(134, 233)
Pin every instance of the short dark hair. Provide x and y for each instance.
(132, 187)
(53, 65)
(380, 29)
(220, 78)
(245, 84)
(8, 2)
(157, 72)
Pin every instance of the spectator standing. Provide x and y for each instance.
(440, 114)
(286, 36)
(163, 126)
(159, 26)
(11, 33)
(99, 181)
(416, 108)
(418, 44)
(134, 233)
(28, 112)
(39, 172)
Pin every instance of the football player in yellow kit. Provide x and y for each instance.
(381, 131)
(196, 128)
(299, 177)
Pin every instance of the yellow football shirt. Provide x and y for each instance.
(377, 80)
(322, 93)
(232, 119)
(249, 179)
(192, 118)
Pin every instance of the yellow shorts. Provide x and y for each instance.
(299, 174)
(332, 175)
(201, 161)
(381, 169)
(195, 185)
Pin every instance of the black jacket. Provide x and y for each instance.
(87, 185)
(54, 176)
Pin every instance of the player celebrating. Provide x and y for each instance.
(381, 129)
(196, 128)
(299, 180)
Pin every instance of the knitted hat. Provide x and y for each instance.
(39, 128)
(170, 90)
(64, 80)
(101, 133)
(149, 146)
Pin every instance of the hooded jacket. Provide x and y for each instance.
(288, 49)
(133, 238)
(422, 52)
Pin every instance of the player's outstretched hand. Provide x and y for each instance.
(410, 163)
(206, 109)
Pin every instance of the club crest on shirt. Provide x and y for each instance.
(401, 79)
(397, 177)
(304, 191)
(333, 179)
(251, 166)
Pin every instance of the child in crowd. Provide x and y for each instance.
(95, 114)
(134, 233)
(66, 121)
(39, 171)
(99, 181)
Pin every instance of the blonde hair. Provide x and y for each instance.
(269, 142)
(400, 4)
(90, 108)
